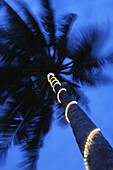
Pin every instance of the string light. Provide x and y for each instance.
(92, 133)
(48, 76)
(63, 89)
(67, 108)
(53, 81)
(55, 85)
(52, 78)
(87, 145)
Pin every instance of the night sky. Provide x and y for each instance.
(60, 151)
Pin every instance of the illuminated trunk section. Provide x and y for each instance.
(97, 152)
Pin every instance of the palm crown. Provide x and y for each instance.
(28, 52)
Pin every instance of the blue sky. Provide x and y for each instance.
(60, 150)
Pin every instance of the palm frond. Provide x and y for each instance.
(13, 115)
(47, 20)
(20, 123)
(37, 129)
(32, 144)
(12, 79)
(81, 53)
(93, 79)
(10, 49)
(29, 19)
(66, 24)
(8, 129)
(17, 29)
(61, 40)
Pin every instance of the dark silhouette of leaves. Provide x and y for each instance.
(27, 55)
(61, 42)
(47, 20)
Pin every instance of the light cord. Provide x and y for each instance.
(53, 81)
(88, 144)
(48, 76)
(67, 108)
(92, 133)
(55, 85)
(62, 89)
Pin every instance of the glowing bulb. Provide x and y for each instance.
(87, 145)
(48, 76)
(55, 85)
(53, 82)
(67, 108)
(52, 78)
(63, 89)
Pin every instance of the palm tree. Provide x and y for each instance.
(31, 59)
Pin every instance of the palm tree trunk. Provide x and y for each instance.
(100, 153)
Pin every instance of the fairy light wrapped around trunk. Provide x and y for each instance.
(53, 82)
(88, 144)
(67, 108)
(62, 89)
